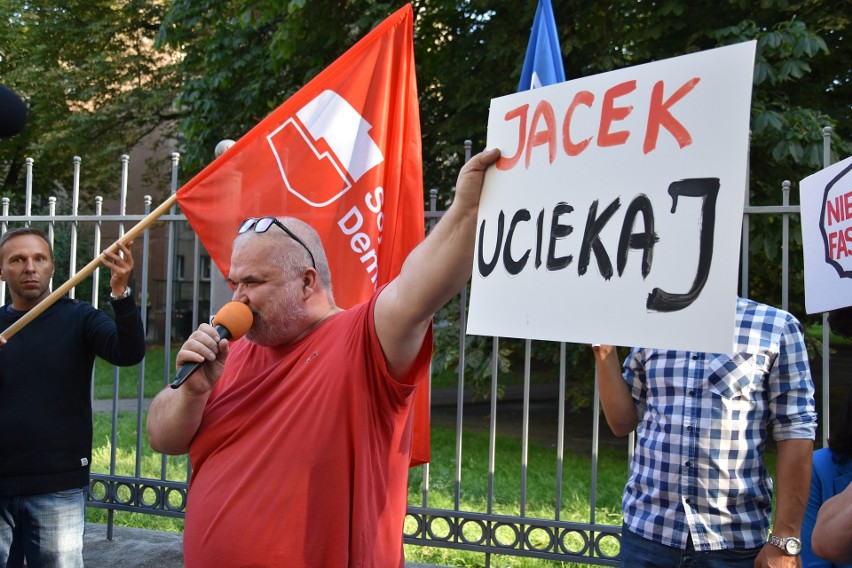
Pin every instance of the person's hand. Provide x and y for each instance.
(203, 346)
(471, 176)
(120, 265)
(773, 557)
(602, 351)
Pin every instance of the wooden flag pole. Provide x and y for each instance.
(130, 235)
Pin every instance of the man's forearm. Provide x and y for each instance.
(616, 400)
(437, 268)
(793, 476)
(434, 272)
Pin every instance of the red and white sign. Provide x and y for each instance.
(826, 201)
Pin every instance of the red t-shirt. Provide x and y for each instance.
(302, 456)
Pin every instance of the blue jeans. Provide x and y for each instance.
(638, 552)
(45, 529)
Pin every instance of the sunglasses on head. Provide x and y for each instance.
(262, 225)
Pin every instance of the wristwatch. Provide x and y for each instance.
(124, 294)
(791, 545)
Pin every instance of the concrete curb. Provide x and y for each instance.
(131, 548)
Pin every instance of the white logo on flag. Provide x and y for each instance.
(324, 149)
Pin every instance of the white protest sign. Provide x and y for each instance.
(615, 211)
(826, 203)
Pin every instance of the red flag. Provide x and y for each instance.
(344, 155)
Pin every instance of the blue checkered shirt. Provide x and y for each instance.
(704, 420)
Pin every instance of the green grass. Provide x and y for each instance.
(125, 464)
(541, 490)
(815, 332)
(541, 483)
(541, 473)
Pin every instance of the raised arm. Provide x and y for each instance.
(121, 342)
(175, 414)
(433, 273)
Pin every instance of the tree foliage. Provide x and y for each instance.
(93, 83)
(222, 65)
(89, 71)
(243, 58)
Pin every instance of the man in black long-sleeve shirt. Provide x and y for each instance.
(45, 399)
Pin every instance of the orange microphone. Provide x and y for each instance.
(232, 321)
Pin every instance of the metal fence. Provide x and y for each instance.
(173, 270)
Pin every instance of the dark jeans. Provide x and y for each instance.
(638, 552)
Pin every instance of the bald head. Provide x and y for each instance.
(289, 253)
(272, 272)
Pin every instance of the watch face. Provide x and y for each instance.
(793, 546)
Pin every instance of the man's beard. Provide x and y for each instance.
(282, 322)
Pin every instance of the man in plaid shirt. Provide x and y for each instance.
(698, 493)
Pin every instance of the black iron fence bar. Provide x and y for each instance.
(137, 495)
(512, 535)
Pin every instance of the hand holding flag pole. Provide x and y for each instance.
(87, 270)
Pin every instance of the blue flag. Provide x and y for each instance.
(543, 61)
